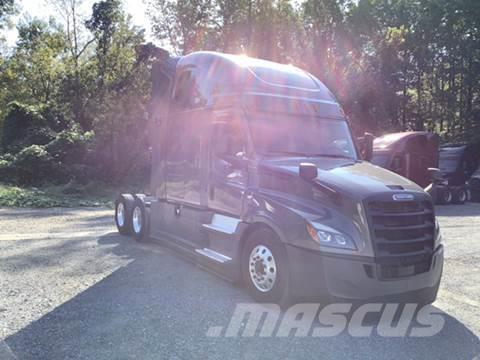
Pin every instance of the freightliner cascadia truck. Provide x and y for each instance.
(256, 176)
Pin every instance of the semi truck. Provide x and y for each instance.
(443, 171)
(409, 153)
(256, 176)
(457, 163)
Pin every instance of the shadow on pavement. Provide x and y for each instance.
(161, 306)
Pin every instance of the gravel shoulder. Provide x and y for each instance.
(72, 288)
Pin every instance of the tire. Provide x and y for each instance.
(460, 196)
(475, 189)
(444, 196)
(139, 221)
(123, 211)
(265, 268)
(474, 185)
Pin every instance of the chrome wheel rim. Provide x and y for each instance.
(137, 219)
(463, 196)
(120, 214)
(262, 268)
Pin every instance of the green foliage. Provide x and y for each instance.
(93, 194)
(61, 160)
(13, 196)
(36, 68)
(79, 108)
(24, 125)
(70, 146)
(183, 23)
(104, 21)
(33, 165)
(6, 8)
(74, 96)
(6, 167)
(120, 107)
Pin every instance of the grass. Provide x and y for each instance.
(92, 194)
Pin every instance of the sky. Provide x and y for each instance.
(43, 10)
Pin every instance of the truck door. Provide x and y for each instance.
(185, 179)
(227, 177)
(185, 166)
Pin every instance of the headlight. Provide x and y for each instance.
(326, 236)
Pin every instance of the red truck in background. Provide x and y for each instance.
(443, 171)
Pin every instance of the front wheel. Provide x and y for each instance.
(264, 267)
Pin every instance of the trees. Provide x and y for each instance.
(75, 85)
(104, 22)
(75, 92)
(6, 8)
(393, 65)
(121, 91)
(183, 24)
(35, 70)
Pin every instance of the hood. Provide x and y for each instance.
(357, 179)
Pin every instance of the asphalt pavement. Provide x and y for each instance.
(72, 288)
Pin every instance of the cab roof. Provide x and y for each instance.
(396, 140)
(252, 74)
(272, 72)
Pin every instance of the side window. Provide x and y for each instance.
(183, 86)
(398, 164)
(183, 158)
(160, 81)
(176, 149)
(187, 92)
(229, 140)
(184, 142)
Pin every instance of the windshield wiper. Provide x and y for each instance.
(298, 153)
(337, 156)
(287, 153)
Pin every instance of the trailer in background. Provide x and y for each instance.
(443, 172)
(457, 163)
(409, 154)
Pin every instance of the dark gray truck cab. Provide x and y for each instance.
(255, 174)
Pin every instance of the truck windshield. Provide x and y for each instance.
(285, 135)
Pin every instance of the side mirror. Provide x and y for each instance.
(366, 146)
(308, 171)
(435, 174)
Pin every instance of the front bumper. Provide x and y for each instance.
(349, 278)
